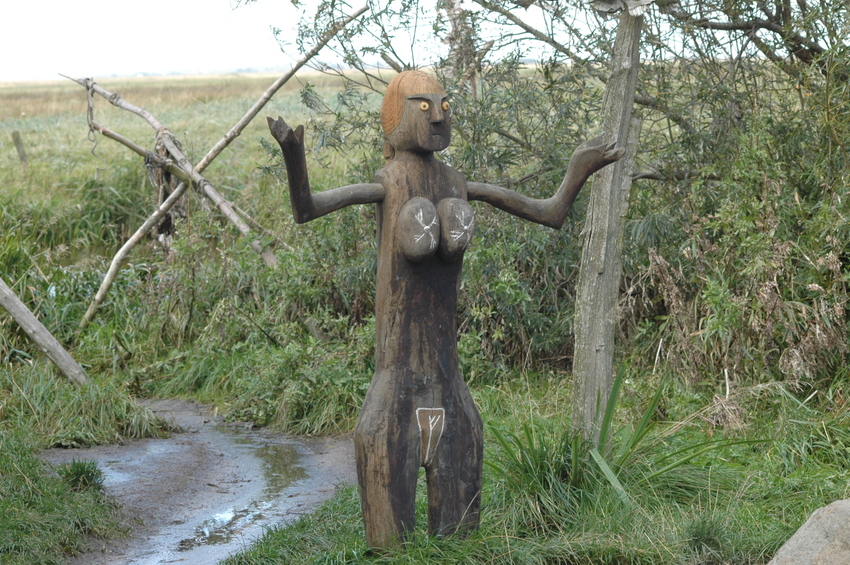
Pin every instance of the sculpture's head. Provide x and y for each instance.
(415, 114)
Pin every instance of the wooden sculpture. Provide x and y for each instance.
(418, 411)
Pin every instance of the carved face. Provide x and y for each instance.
(425, 124)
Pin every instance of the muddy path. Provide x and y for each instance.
(209, 491)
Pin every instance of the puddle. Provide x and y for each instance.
(221, 528)
(280, 466)
(203, 495)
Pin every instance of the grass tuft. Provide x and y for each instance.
(45, 518)
(81, 475)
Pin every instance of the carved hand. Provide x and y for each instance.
(593, 154)
(284, 134)
(307, 206)
(292, 146)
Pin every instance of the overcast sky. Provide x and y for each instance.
(99, 38)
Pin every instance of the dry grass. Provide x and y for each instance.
(43, 99)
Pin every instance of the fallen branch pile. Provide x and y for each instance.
(176, 163)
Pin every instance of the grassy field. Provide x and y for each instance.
(688, 477)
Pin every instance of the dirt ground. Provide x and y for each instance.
(209, 491)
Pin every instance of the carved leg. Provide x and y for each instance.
(386, 443)
(454, 474)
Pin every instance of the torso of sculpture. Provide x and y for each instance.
(418, 411)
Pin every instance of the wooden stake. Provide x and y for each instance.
(19, 145)
(41, 336)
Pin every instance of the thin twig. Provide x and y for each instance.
(157, 160)
(250, 220)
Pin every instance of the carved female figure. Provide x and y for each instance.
(418, 411)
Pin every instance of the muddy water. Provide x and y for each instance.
(208, 492)
(281, 468)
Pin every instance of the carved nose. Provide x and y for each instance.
(438, 115)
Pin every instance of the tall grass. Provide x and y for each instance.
(35, 399)
(547, 501)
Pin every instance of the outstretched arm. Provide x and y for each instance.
(588, 158)
(305, 205)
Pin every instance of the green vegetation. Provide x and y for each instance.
(43, 517)
(730, 420)
(679, 495)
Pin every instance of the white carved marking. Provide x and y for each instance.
(465, 228)
(426, 229)
(435, 424)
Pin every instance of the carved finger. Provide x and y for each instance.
(279, 129)
(612, 155)
(283, 133)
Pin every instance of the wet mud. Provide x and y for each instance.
(210, 490)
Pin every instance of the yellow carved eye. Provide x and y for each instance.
(424, 106)
(445, 105)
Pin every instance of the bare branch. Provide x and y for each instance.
(267, 95)
(512, 137)
(772, 55)
(45, 341)
(396, 66)
(116, 100)
(674, 175)
(537, 34)
(661, 106)
(152, 157)
(187, 173)
(802, 47)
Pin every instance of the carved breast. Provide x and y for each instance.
(425, 230)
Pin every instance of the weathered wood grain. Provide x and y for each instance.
(600, 271)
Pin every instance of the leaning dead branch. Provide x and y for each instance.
(267, 95)
(167, 138)
(192, 175)
(41, 336)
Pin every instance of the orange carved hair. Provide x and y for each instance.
(403, 85)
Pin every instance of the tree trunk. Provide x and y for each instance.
(601, 260)
(41, 337)
(463, 59)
